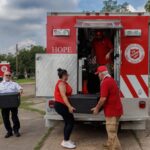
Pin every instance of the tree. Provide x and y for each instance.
(12, 60)
(109, 5)
(123, 7)
(147, 6)
(3, 57)
(33, 52)
(113, 6)
(26, 61)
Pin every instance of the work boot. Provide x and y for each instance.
(106, 146)
(9, 134)
(17, 134)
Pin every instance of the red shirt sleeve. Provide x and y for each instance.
(104, 89)
(109, 44)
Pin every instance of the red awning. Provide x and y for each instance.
(102, 24)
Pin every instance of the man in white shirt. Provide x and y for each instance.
(8, 86)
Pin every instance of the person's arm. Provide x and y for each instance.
(110, 46)
(62, 89)
(21, 91)
(104, 94)
(100, 104)
(19, 88)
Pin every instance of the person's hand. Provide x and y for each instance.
(108, 56)
(95, 110)
(21, 92)
(71, 109)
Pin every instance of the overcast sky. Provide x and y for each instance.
(25, 19)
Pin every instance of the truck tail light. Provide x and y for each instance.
(51, 103)
(142, 104)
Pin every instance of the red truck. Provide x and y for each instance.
(4, 66)
(69, 39)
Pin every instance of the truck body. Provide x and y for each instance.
(68, 38)
(4, 66)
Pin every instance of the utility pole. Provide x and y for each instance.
(17, 61)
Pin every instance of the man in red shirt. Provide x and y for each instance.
(102, 48)
(111, 102)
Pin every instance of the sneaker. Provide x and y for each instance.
(72, 142)
(68, 144)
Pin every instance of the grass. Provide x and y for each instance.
(1, 119)
(21, 81)
(28, 105)
(43, 139)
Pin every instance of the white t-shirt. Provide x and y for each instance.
(9, 87)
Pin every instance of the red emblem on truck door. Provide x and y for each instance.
(135, 53)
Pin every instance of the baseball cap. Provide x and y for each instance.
(101, 69)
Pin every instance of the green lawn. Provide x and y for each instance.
(20, 81)
(0, 119)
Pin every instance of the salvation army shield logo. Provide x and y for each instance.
(4, 68)
(134, 53)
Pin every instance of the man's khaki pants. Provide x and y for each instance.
(113, 142)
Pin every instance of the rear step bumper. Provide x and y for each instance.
(91, 117)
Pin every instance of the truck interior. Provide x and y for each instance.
(88, 82)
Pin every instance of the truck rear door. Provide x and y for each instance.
(46, 72)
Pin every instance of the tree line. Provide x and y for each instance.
(113, 6)
(26, 61)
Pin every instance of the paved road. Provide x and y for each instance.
(29, 89)
(32, 130)
(88, 137)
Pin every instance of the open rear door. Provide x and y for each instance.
(117, 57)
(46, 72)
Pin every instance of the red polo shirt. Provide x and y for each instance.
(110, 90)
(101, 49)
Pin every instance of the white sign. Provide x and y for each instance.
(133, 32)
(61, 32)
(134, 53)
